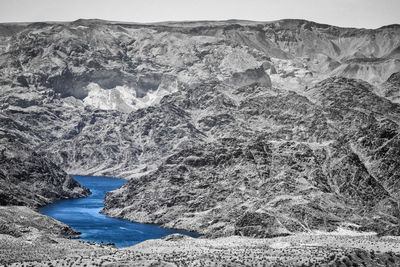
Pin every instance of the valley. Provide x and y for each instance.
(256, 135)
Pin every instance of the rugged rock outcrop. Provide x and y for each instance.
(391, 88)
(29, 179)
(312, 166)
(17, 221)
(224, 128)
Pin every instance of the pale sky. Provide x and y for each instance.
(348, 13)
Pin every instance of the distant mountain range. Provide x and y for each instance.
(231, 127)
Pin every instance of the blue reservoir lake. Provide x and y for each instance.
(83, 215)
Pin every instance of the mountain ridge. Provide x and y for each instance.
(291, 122)
(228, 21)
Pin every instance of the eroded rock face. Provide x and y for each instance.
(390, 89)
(312, 166)
(301, 162)
(223, 128)
(29, 179)
(17, 221)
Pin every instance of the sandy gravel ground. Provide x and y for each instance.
(309, 249)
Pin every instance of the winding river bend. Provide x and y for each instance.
(83, 215)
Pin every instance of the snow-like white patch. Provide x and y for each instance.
(80, 27)
(238, 60)
(280, 245)
(343, 232)
(119, 98)
(123, 98)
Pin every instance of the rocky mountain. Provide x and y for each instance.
(231, 127)
(390, 89)
(308, 163)
(17, 221)
(29, 179)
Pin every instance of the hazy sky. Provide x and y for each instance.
(355, 13)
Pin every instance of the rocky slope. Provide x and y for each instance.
(18, 221)
(307, 163)
(124, 67)
(29, 179)
(178, 250)
(235, 127)
(390, 89)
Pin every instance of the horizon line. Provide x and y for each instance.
(193, 21)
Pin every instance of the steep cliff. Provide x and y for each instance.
(29, 179)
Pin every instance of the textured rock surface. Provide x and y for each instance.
(294, 162)
(236, 127)
(17, 221)
(391, 88)
(295, 250)
(27, 236)
(29, 179)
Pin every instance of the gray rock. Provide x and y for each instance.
(29, 179)
(187, 112)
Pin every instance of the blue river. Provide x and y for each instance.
(82, 214)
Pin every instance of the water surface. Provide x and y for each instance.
(83, 215)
